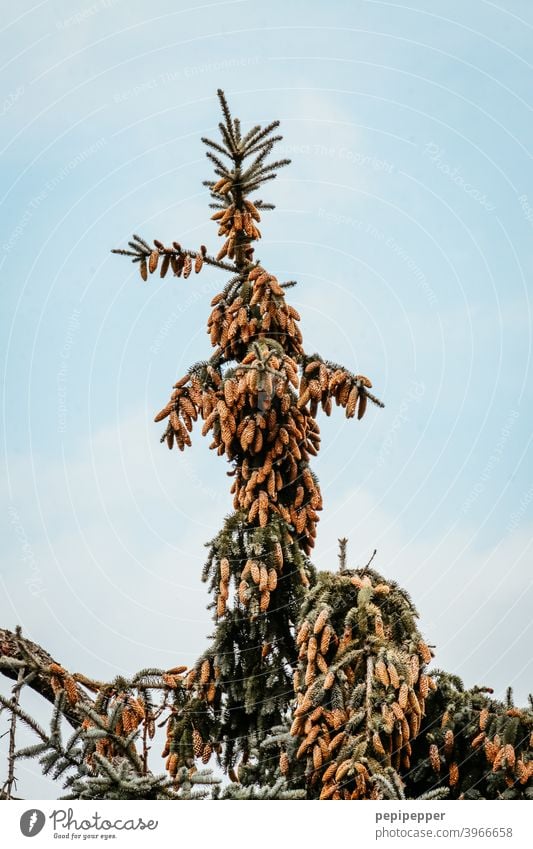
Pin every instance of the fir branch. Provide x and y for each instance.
(252, 186)
(31, 751)
(262, 153)
(259, 172)
(266, 144)
(228, 140)
(149, 672)
(24, 717)
(229, 122)
(142, 242)
(260, 134)
(218, 147)
(221, 168)
(437, 793)
(375, 400)
(182, 252)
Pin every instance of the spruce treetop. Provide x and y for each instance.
(258, 395)
(312, 686)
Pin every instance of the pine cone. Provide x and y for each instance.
(378, 745)
(509, 755)
(454, 774)
(434, 758)
(325, 640)
(152, 262)
(425, 652)
(205, 672)
(71, 689)
(322, 663)
(317, 757)
(393, 675)
(321, 620)
(224, 569)
(221, 606)
(312, 648)
(56, 684)
(343, 770)
(329, 680)
(278, 555)
(522, 772)
(329, 773)
(478, 740)
(263, 578)
(381, 673)
(397, 711)
(448, 742)
(491, 750)
(197, 743)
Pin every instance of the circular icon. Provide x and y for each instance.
(32, 822)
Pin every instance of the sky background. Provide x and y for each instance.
(406, 216)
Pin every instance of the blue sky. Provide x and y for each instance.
(406, 216)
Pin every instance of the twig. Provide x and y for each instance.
(368, 700)
(342, 554)
(5, 797)
(11, 781)
(146, 747)
(375, 400)
(209, 260)
(371, 559)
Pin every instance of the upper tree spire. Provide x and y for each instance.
(239, 178)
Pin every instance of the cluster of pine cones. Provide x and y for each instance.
(257, 308)
(234, 223)
(261, 413)
(60, 680)
(119, 714)
(321, 384)
(495, 739)
(359, 697)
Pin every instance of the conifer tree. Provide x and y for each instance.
(313, 686)
(258, 395)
